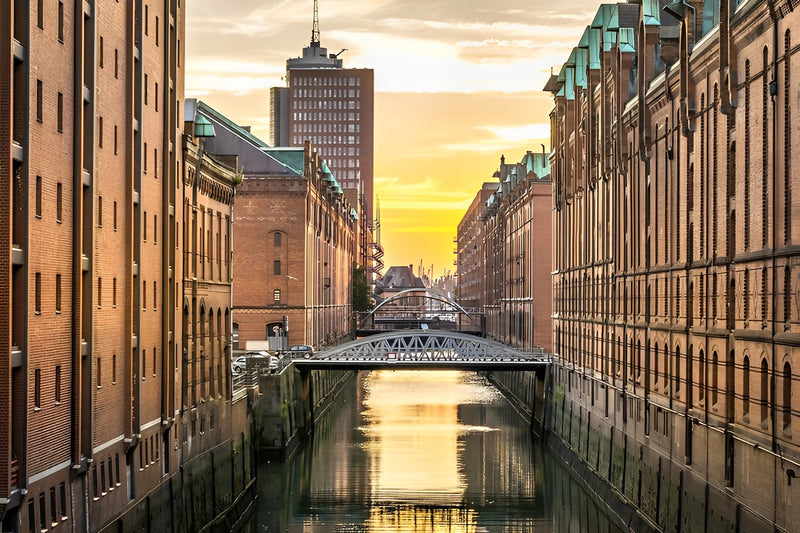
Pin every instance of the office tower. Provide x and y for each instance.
(332, 107)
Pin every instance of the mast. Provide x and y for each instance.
(315, 26)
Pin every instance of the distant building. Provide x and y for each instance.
(295, 242)
(504, 247)
(469, 248)
(400, 279)
(333, 108)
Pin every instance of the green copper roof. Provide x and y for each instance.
(584, 42)
(202, 126)
(292, 158)
(581, 62)
(569, 85)
(651, 14)
(627, 40)
(595, 38)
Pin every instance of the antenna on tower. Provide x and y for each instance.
(315, 27)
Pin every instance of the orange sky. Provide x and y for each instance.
(457, 85)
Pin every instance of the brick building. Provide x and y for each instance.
(295, 241)
(510, 280)
(470, 256)
(92, 188)
(676, 277)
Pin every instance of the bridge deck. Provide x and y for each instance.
(425, 349)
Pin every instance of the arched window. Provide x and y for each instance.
(666, 368)
(764, 390)
(655, 364)
(701, 382)
(787, 142)
(211, 354)
(787, 395)
(714, 167)
(747, 149)
(746, 386)
(764, 149)
(714, 378)
(678, 371)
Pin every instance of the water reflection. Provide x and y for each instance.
(409, 452)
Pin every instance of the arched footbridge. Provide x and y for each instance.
(421, 349)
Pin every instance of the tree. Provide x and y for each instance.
(362, 299)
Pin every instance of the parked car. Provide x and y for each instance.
(301, 350)
(239, 364)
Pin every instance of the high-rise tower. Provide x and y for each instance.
(331, 106)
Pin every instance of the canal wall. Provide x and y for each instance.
(526, 392)
(290, 402)
(213, 491)
(601, 434)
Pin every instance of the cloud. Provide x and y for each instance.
(503, 138)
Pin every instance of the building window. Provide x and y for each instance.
(144, 157)
(277, 239)
(39, 101)
(114, 369)
(53, 507)
(40, 14)
(42, 512)
(37, 293)
(100, 132)
(38, 197)
(144, 364)
(59, 202)
(787, 396)
(99, 211)
(116, 63)
(100, 53)
(764, 391)
(58, 293)
(115, 216)
(99, 292)
(276, 296)
(60, 112)
(276, 267)
(63, 493)
(746, 386)
(114, 292)
(58, 384)
(61, 22)
(115, 140)
(37, 388)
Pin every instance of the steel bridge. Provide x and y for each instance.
(416, 349)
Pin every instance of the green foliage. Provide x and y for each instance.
(362, 299)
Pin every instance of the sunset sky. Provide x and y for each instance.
(457, 85)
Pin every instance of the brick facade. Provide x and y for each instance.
(675, 266)
(92, 206)
(504, 254)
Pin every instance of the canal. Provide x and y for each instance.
(422, 451)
